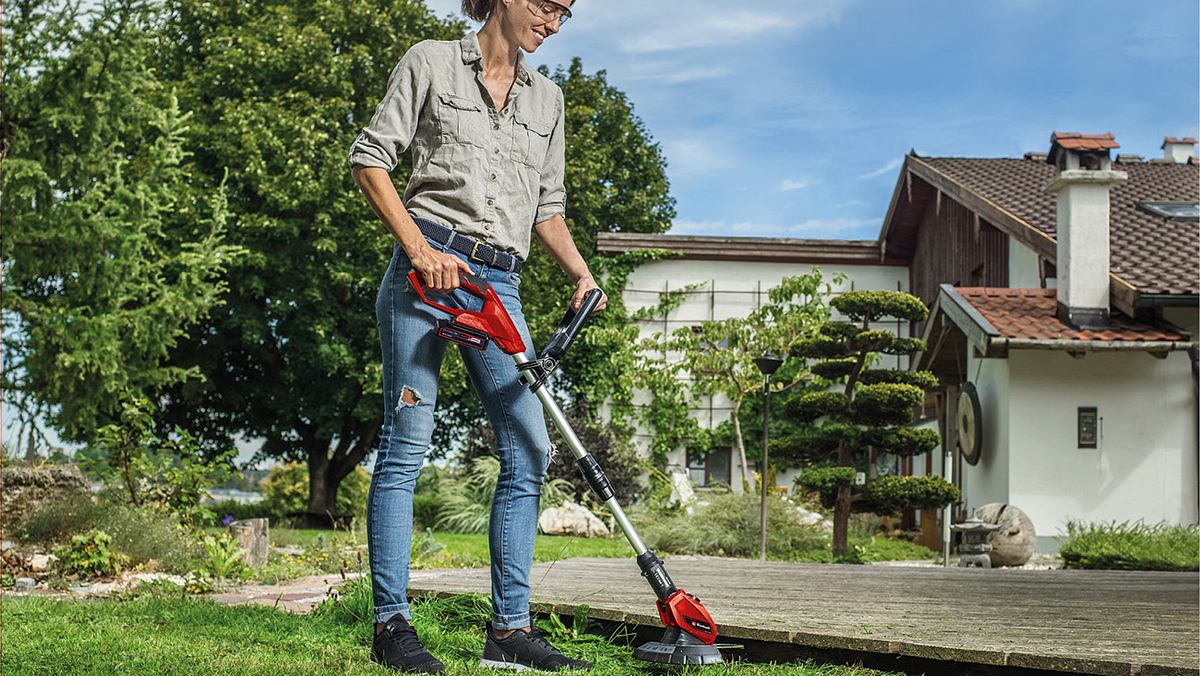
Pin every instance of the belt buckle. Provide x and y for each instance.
(472, 256)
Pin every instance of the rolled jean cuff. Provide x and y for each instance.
(385, 613)
(505, 622)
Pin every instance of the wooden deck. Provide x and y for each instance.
(1102, 622)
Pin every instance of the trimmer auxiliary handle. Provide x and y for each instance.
(691, 631)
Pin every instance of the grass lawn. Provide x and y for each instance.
(166, 633)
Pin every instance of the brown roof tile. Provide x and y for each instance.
(1155, 255)
(1029, 314)
(1174, 139)
(1073, 140)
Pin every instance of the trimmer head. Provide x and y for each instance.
(678, 647)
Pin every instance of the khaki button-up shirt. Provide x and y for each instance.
(488, 174)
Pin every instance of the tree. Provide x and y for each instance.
(279, 91)
(869, 409)
(717, 358)
(110, 252)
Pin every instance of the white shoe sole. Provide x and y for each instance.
(497, 664)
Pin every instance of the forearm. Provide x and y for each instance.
(556, 237)
(376, 185)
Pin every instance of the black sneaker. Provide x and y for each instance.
(523, 651)
(397, 647)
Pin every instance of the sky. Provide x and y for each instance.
(791, 118)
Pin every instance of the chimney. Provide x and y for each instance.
(1178, 150)
(1082, 184)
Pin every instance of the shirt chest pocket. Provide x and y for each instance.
(461, 120)
(531, 138)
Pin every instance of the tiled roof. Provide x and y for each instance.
(1173, 139)
(1075, 141)
(1155, 255)
(1029, 314)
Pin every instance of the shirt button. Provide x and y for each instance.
(491, 202)
(493, 177)
(496, 151)
(487, 226)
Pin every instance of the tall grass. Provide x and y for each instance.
(1131, 546)
(140, 534)
(466, 497)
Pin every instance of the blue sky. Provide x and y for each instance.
(790, 119)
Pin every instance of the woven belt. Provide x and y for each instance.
(474, 249)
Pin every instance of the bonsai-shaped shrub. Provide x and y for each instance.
(866, 408)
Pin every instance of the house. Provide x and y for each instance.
(1064, 289)
(732, 276)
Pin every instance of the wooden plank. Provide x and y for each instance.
(1082, 621)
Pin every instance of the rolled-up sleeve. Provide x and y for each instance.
(552, 196)
(395, 121)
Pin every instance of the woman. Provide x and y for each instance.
(486, 136)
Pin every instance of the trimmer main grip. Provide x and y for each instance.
(490, 321)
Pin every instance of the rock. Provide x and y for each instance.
(24, 584)
(40, 563)
(1013, 543)
(571, 519)
(810, 518)
(131, 580)
(5, 545)
(681, 486)
(27, 488)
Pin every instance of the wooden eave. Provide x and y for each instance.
(760, 249)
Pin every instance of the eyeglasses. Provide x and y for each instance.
(552, 11)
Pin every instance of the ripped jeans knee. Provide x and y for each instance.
(408, 398)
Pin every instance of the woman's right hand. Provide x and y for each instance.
(439, 271)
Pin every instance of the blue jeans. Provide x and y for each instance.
(412, 358)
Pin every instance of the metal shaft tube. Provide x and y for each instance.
(577, 449)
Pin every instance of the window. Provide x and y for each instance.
(1183, 211)
(711, 469)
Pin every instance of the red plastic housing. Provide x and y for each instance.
(492, 319)
(684, 611)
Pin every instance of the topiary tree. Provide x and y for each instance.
(865, 408)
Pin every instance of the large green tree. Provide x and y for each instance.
(110, 251)
(278, 91)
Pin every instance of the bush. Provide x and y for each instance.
(825, 480)
(813, 405)
(886, 403)
(240, 510)
(466, 497)
(728, 526)
(143, 535)
(832, 369)
(90, 554)
(1131, 546)
(872, 305)
(902, 441)
(223, 558)
(891, 494)
(169, 474)
(285, 491)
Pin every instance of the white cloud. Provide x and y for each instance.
(693, 156)
(885, 169)
(789, 184)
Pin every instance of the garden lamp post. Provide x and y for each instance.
(767, 364)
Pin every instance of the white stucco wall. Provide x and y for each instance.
(988, 480)
(1024, 270)
(1145, 466)
(739, 288)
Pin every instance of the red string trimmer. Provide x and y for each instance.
(691, 632)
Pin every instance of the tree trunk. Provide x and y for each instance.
(741, 446)
(841, 509)
(321, 491)
(254, 537)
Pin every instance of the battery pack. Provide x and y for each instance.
(463, 335)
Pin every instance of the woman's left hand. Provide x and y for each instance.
(584, 285)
